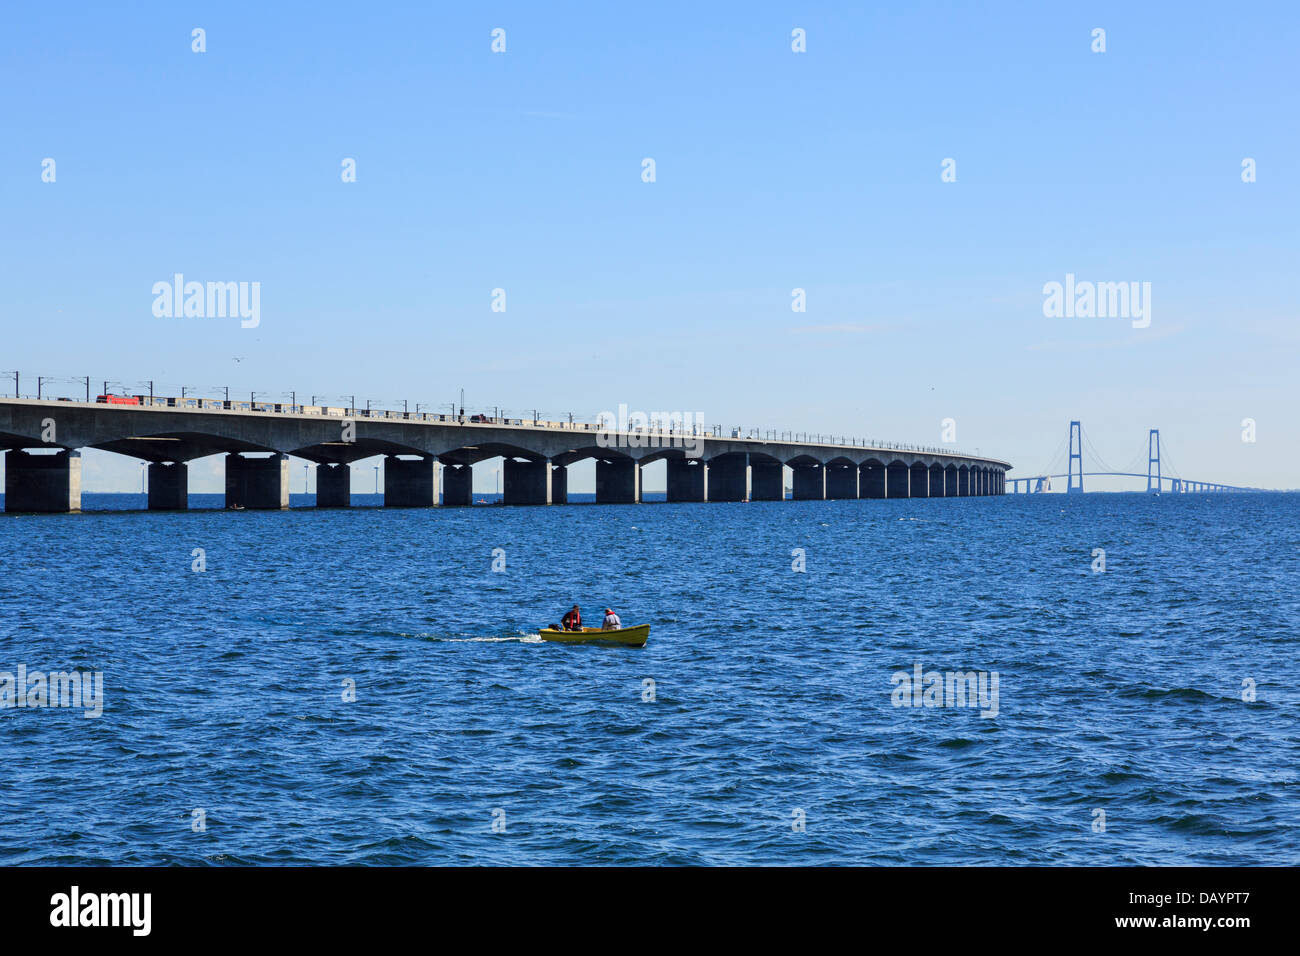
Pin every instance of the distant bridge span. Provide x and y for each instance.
(1176, 485)
(429, 457)
(1155, 478)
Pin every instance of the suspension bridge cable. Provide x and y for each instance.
(1056, 456)
(1095, 454)
(1173, 469)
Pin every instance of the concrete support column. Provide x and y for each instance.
(169, 486)
(898, 484)
(48, 483)
(919, 482)
(257, 482)
(410, 483)
(809, 482)
(766, 481)
(872, 481)
(618, 482)
(334, 486)
(687, 480)
(559, 485)
(526, 482)
(457, 485)
(728, 478)
(841, 482)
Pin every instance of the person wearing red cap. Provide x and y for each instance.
(612, 621)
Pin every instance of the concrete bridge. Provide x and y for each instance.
(429, 457)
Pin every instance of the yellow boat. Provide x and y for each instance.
(627, 636)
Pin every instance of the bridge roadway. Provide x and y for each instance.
(1176, 485)
(429, 458)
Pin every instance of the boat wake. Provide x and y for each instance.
(515, 638)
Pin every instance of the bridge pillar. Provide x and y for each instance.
(457, 484)
(334, 486)
(919, 481)
(257, 483)
(809, 482)
(767, 481)
(871, 481)
(728, 477)
(936, 481)
(169, 486)
(618, 482)
(897, 482)
(410, 483)
(687, 480)
(48, 483)
(526, 482)
(841, 482)
(963, 482)
(559, 485)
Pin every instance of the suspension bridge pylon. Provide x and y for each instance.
(1076, 441)
(1153, 458)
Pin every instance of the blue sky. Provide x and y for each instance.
(775, 170)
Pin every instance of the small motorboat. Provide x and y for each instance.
(627, 636)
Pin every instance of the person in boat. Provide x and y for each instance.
(612, 622)
(572, 621)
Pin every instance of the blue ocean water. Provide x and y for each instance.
(1120, 694)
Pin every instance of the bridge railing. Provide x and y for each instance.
(655, 428)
